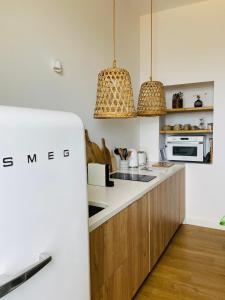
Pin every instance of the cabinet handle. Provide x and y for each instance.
(11, 282)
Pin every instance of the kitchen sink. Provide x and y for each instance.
(132, 177)
(93, 210)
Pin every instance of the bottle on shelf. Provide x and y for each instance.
(198, 102)
(202, 124)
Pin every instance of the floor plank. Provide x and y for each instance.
(192, 268)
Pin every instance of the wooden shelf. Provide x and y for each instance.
(189, 109)
(185, 131)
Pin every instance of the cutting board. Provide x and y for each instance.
(89, 153)
(106, 155)
(94, 153)
(114, 163)
(163, 164)
(99, 157)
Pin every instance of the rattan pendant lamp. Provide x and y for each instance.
(151, 100)
(114, 91)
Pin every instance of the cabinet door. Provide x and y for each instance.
(157, 223)
(167, 210)
(119, 253)
(109, 259)
(138, 250)
(181, 176)
(172, 207)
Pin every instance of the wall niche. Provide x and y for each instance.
(189, 120)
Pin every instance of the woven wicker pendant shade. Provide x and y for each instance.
(114, 95)
(151, 100)
(114, 91)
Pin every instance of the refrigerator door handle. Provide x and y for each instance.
(8, 283)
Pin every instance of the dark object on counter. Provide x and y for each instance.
(132, 177)
(177, 100)
(108, 183)
(198, 102)
(123, 153)
(93, 210)
(207, 159)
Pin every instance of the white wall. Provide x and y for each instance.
(189, 47)
(149, 127)
(79, 33)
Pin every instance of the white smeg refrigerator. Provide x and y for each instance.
(44, 253)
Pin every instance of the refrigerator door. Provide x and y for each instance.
(43, 205)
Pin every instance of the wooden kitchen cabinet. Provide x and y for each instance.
(157, 228)
(124, 249)
(120, 253)
(138, 241)
(181, 182)
(109, 259)
(167, 210)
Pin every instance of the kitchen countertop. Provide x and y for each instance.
(124, 193)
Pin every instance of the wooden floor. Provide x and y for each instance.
(193, 267)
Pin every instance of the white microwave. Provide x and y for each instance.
(185, 148)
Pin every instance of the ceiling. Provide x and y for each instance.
(143, 6)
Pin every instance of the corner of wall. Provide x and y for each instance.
(149, 132)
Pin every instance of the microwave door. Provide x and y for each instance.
(190, 151)
(186, 152)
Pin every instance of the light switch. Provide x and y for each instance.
(57, 66)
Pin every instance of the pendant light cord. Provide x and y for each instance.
(114, 33)
(151, 39)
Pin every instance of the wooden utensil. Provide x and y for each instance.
(125, 153)
(106, 155)
(117, 152)
(121, 153)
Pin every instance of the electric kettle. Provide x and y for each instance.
(133, 159)
(142, 158)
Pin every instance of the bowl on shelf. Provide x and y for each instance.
(194, 127)
(167, 127)
(187, 127)
(178, 127)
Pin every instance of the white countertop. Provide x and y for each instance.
(125, 192)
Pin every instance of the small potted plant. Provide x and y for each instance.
(178, 100)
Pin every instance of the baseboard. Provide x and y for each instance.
(204, 223)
